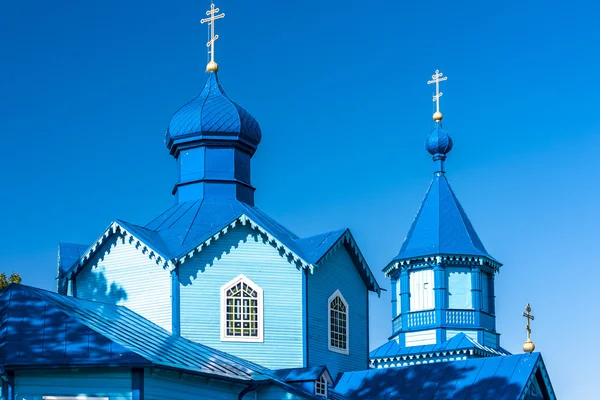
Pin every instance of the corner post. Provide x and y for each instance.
(175, 303)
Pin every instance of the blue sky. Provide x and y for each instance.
(339, 89)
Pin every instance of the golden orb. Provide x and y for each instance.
(212, 67)
(437, 116)
(528, 346)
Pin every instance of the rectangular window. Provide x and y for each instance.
(421, 290)
(459, 289)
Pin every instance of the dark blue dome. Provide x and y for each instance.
(438, 142)
(213, 116)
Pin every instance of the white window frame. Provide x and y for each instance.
(345, 351)
(322, 381)
(260, 317)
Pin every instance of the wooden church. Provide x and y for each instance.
(213, 299)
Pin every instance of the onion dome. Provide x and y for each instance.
(438, 142)
(212, 116)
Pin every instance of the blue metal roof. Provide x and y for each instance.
(44, 328)
(478, 378)
(441, 227)
(300, 374)
(184, 226)
(456, 343)
(212, 115)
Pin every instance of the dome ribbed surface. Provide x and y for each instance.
(438, 141)
(213, 115)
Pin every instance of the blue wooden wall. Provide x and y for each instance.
(165, 385)
(337, 272)
(243, 251)
(113, 383)
(120, 273)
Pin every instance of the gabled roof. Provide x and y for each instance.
(45, 328)
(391, 350)
(478, 378)
(68, 254)
(186, 228)
(301, 374)
(441, 227)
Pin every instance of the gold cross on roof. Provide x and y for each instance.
(213, 16)
(528, 346)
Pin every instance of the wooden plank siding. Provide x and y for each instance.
(164, 385)
(243, 251)
(121, 274)
(112, 383)
(337, 272)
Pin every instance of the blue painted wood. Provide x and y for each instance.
(305, 317)
(337, 272)
(175, 302)
(244, 251)
(165, 385)
(113, 383)
(122, 273)
(274, 393)
(8, 386)
(137, 384)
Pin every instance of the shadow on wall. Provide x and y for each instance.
(430, 381)
(213, 252)
(94, 285)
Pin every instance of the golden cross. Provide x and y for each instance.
(529, 319)
(437, 78)
(211, 23)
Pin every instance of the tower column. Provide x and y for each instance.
(440, 289)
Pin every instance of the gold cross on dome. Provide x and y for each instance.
(213, 16)
(529, 319)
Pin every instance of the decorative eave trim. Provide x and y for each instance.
(348, 239)
(114, 228)
(485, 263)
(374, 361)
(245, 220)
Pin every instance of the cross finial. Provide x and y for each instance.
(528, 346)
(212, 13)
(437, 78)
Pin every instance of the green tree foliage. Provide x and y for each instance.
(13, 278)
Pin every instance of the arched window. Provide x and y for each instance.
(338, 323)
(241, 311)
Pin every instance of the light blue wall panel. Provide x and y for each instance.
(164, 385)
(243, 251)
(273, 392)
(121, 274)
(420, 338)
(112, 383)
(337, 272)
(490, 339)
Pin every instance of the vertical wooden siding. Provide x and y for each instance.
(163, 385)
(421, 290)
(337, 272)
(112, 383)
(243, 251)
(121, 274)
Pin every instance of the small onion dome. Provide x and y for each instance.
(438, 142)
(212, 116)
